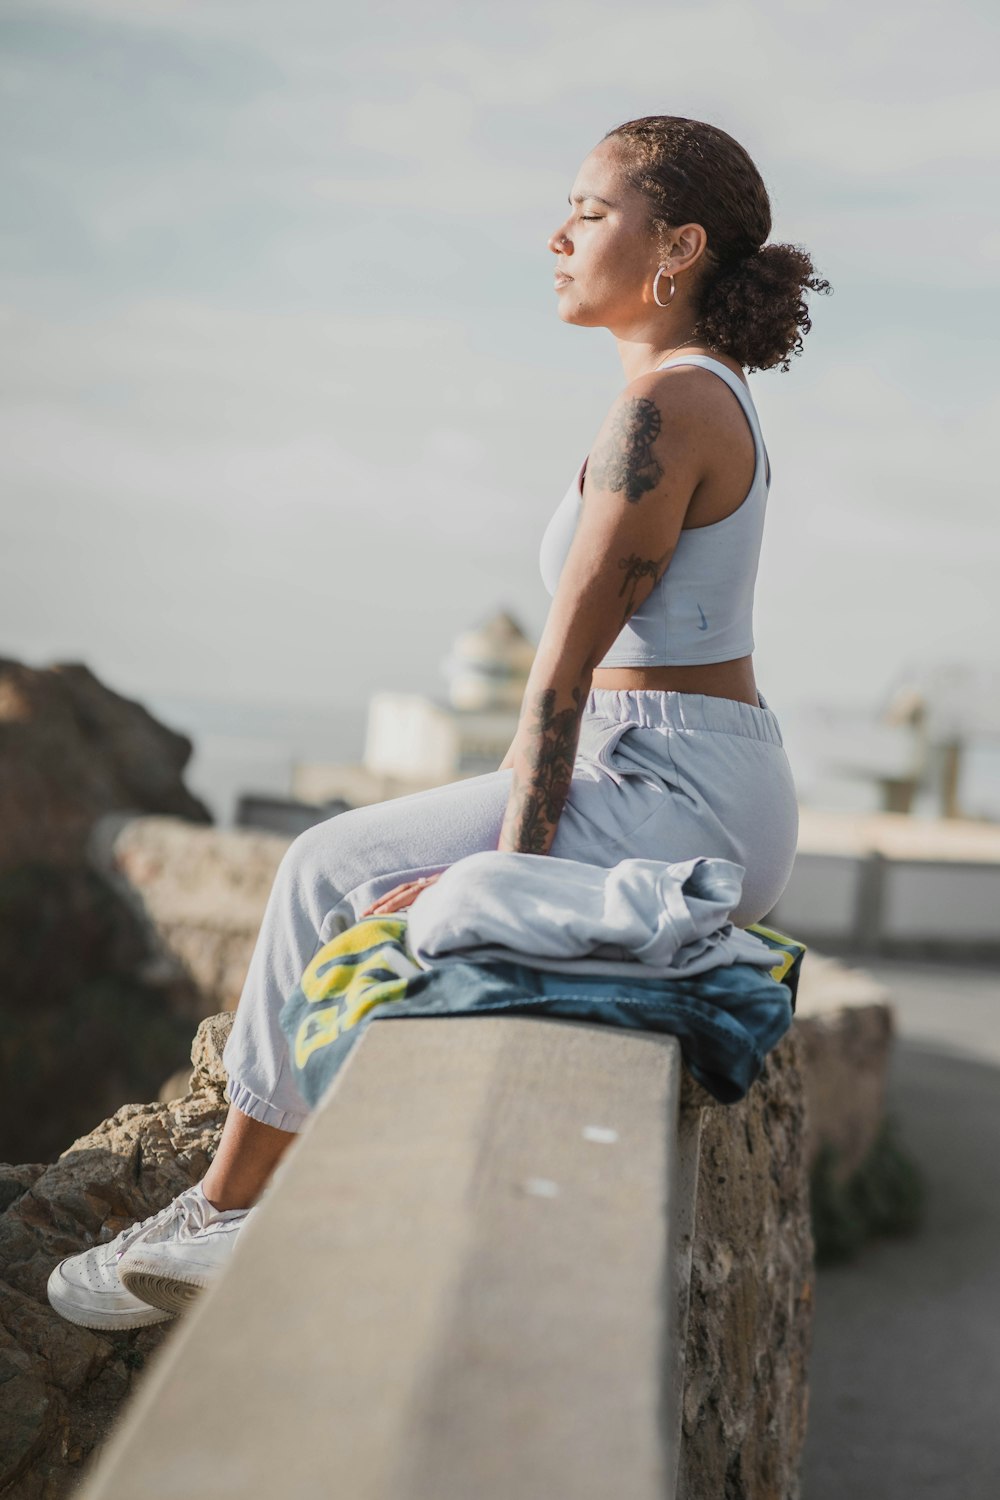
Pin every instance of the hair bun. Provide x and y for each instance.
(751, 295)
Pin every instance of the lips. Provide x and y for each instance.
(561, 276)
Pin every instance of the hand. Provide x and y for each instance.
(399, 896)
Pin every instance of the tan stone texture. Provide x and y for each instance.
(200, 891)
(749, 1340)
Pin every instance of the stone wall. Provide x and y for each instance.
(846, 1023)
(201, 893)
(749, 1327)
(745, 1401)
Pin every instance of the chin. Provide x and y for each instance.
(578, 315)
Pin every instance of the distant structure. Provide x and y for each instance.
(488, 667)
(414, 740)
(930, 720)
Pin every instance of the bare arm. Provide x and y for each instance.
(508, 760)
(642, 472)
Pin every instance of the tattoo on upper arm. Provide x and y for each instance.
(534, 806)
(626, 462)
(635, 567)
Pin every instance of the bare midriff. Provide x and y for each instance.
(719, 679)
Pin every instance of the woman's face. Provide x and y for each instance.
(605, 247)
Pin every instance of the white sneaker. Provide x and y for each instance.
(87, 1288)
(170, 1264)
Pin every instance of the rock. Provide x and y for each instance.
(751, 1309)
(84, 1023)
(71, 749)
(200, 891)
(207, 1074)
(176, 1086)
(17, 1180)
(62, 1385)
(80, 1032)
(24, 1414)
(206, 1054)
(845, 1019)
(753, 1277)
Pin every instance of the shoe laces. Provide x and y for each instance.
(186, 1206)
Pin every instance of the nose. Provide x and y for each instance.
(559, 244)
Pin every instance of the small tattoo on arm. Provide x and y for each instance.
(635, 569)
(626, 464)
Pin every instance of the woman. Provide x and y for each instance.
(642, 732)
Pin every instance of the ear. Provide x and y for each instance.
(686, 247)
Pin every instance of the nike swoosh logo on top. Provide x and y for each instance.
(704, 622)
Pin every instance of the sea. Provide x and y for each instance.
(242, 747)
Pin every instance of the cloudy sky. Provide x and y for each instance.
(287, 399)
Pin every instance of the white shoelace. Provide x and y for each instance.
(189, 1205)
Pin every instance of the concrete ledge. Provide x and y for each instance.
(892, 884)
(469, 1277)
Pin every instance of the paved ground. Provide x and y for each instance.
(905, 1374)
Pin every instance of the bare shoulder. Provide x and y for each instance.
(689, 387)
(660, 430)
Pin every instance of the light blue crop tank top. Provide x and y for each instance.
(701, 610)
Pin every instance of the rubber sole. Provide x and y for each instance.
(171, 1294)
(105, 1322)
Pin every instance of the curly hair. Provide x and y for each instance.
(749, 297)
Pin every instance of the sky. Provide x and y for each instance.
(287, 399)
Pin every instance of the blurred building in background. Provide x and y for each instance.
(930, 749)
(416, 740)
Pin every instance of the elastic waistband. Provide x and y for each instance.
(658, 708)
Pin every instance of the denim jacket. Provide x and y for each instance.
(726, 1018)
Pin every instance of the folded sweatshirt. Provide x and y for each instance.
(642, 917)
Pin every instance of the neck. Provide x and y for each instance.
(639, 359)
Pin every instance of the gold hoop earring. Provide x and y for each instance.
(673, 288)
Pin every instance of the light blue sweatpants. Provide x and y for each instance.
(658, 775)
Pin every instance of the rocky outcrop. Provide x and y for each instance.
(85, 1021)
(62, 1385)
(72, 749)
(79, 1031)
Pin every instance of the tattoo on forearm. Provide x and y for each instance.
(635, 568)
(536, 802)
(626, 462)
